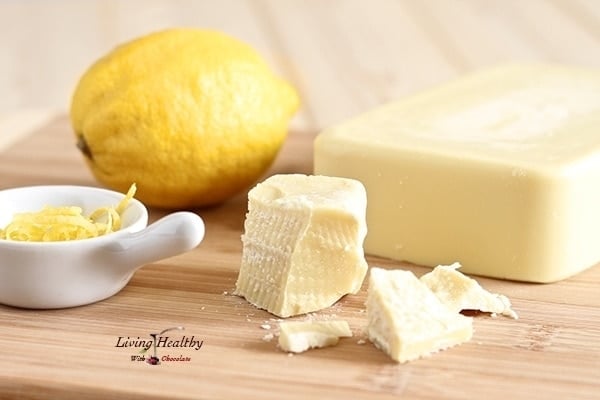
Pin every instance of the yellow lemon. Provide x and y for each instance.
(192, 116)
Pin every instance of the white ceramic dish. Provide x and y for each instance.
(73, 273)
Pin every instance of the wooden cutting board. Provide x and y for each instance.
(552, 351)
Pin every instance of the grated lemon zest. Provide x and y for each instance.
(52, 224)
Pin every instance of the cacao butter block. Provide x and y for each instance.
(299, 336)
(407, 321)
(499, 170)
(302, 243)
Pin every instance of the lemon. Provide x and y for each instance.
(192, 116)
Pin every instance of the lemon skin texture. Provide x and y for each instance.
(192, 116)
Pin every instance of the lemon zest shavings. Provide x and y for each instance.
(52, 224)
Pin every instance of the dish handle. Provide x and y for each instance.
(171, 235)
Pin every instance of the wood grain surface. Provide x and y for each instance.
(552, 351)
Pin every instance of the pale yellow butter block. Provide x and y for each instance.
(299, 336)
(302, 243)
(499, 170)
(407, 320)
(460, 292)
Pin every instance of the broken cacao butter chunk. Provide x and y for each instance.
(499, 170)
(299, 336)
(406, 320)
(459, 292)
(302, 246)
